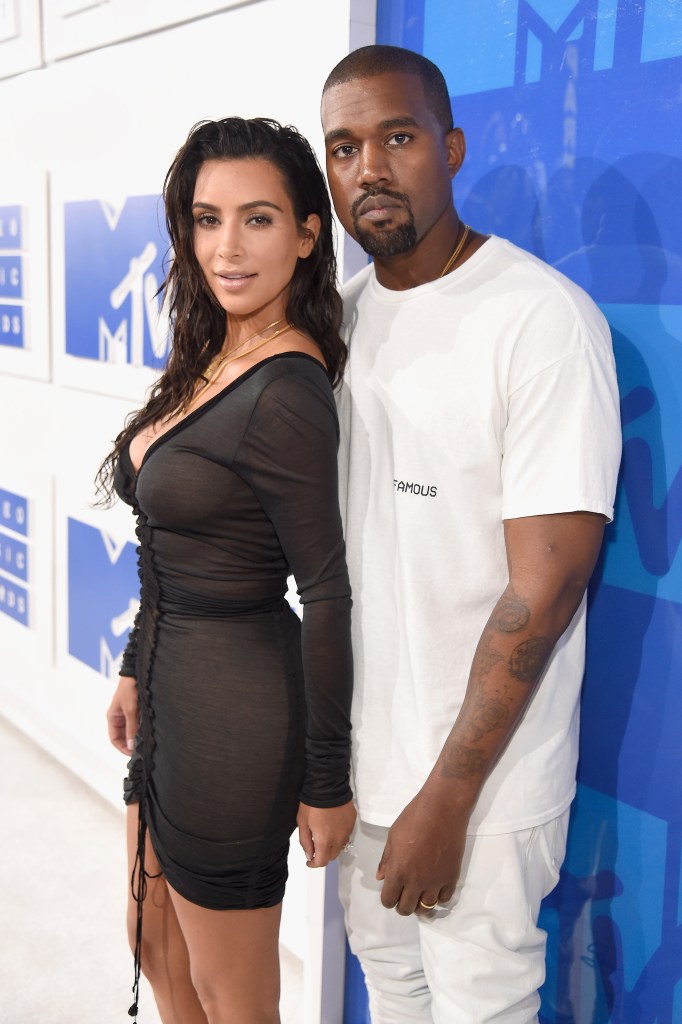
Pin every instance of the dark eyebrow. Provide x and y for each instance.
(393, 122)
(260, 202)
(399, 122)
(242, 208)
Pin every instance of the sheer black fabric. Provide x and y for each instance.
(244, 711)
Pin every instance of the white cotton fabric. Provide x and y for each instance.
(478, 959)
(486, 395)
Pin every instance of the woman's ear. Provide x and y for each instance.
(309, 231)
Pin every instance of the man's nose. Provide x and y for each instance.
(374, 167)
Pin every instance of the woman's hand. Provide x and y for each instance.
(324, 831)
(122, 716)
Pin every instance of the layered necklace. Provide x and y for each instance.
(217, 365)
(456, 251)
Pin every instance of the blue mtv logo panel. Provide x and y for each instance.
(12, 325)
(14, 601)
(103, 596)
(113, 271)
(11, 227)
(571, 111)
(13, 556)
(11, 277)
(14, 512)
(644, 547)
(615, 949)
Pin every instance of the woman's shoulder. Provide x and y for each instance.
(286, 368)
(295, 342)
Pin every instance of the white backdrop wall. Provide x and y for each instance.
(101, 125)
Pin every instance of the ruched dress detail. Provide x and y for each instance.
(244, 710)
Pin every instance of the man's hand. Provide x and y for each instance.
(423, 854)
(122, 716)
(324, 831)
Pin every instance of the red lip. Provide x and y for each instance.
(377, 203)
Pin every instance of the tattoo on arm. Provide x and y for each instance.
(486, 657)
(489, 715)
(528, 659)
(490, 705)
(511, 614)
(462, 764)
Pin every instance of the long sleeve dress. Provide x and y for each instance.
(244, 711)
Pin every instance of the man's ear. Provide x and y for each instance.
(456, 147)
(309, 231)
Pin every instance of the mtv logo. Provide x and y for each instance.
(113, 270)
(519, 42)
(103, 596)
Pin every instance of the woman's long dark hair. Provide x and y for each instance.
(198, 322)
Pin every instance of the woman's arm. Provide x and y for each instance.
(288, 457)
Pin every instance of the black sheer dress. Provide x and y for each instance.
(244, 711)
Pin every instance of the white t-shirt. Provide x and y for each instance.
(486, 395)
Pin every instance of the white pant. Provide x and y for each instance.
(477, 960)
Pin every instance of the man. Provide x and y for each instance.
(480, 444)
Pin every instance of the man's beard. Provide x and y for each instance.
(388, 243)
(393, 242)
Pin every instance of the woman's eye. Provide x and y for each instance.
(260, 220)
(206, 220)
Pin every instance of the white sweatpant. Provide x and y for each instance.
(479, 959)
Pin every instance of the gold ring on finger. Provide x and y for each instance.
(428, 906)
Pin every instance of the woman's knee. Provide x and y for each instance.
(225, 999)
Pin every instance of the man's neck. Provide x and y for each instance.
(430, 257)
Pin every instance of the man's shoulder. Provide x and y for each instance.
(541, 275)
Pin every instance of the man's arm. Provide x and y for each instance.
(550, 561)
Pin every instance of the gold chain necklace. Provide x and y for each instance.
(456, 251)
(219, 359)
(217, 366)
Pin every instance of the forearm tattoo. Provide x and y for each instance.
(491, 705)
(486, 656)
(511, 614)
(462, 764)
(528, 659)
(489, 715)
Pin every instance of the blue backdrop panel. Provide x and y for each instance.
(113, 269)
(12, 326)
(103, 596)
(572, 114)
(11, 277)
(11, 227)
(14, 556)
(14, 512)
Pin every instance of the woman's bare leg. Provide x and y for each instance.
(234, 958)
(165, 960)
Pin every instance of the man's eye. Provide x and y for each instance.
(344, 151)
(399, 139)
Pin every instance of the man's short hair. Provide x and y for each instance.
(379, 60)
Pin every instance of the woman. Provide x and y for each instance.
(240, 714)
